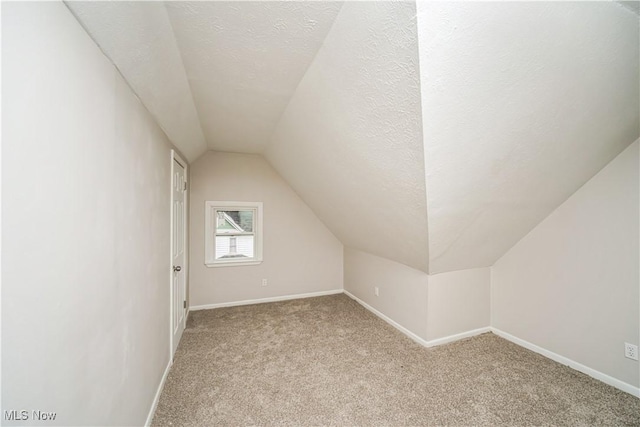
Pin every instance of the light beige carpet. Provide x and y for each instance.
(328, 361)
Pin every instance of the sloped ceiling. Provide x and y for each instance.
(350, 141)
(437, 140)
(139, 40)
(523, 103)
(220, 72)
(244, 61)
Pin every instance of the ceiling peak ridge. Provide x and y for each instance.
(186, 76)
(315, 56)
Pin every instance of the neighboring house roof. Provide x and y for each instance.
(229, 226)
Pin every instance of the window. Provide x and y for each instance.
(233, 233)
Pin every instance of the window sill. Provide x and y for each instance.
(232, 264)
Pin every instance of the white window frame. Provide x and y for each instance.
(211, 207)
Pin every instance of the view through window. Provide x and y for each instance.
(233, 233)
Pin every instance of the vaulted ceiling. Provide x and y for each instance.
(434, 134)
(523, 103)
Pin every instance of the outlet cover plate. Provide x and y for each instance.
(630, 351)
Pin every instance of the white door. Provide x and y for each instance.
(178, 273)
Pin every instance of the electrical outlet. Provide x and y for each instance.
(630, 351)
(376, 291)
(264, 282)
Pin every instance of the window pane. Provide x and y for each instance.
(234, 247)
(237, 221)
(233, 233)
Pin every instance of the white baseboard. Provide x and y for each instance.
(620, 385)
(263, 300)
(389, 320)
(457, 337)
(156, 399)
(412, 335)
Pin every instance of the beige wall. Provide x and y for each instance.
(430, 306)
(571, 285)
(402, 290)
(459, 301)
(300, 253)
(85, 228)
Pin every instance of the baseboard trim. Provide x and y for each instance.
(607, 379)
(156, 399)
(458, 337)
(414, 336)
(614, 382)
(264, 300)
(389, 320)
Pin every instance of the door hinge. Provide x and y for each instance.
(185, 186)
(184, 304)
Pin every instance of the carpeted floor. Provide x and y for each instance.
(328, 361)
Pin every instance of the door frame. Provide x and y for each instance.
(175, 157)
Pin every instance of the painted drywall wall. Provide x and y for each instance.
(138, 38)
(402, 290)
(632, 5)
(522, 103)
(300, 255)
(85, 228)
(458, 302)
(571, 285)
(430, 306)
(350, 140)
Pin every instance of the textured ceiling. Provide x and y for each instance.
(511, 107)
(350, 141)
(138, 38)
(244, 61)
(523, 103)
